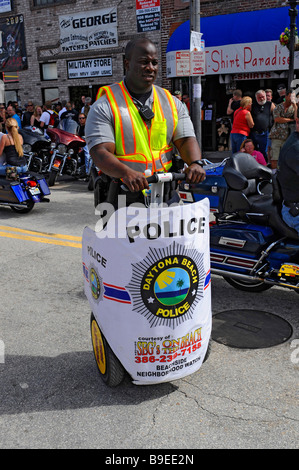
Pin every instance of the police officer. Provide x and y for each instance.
(133, 125)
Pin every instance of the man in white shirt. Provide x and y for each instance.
(45, 117)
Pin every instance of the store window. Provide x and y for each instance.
(48, 71)
(50, 94)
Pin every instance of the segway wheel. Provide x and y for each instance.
(109, 367)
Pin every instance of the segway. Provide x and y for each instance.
(147, 279)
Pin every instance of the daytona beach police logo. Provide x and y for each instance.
(168, 284)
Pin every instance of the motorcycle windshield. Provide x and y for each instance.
(69, 125)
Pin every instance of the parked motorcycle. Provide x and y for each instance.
(23, 194)
(68, 157)
(38, 149)
(251, 246)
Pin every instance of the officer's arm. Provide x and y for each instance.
(190, 152)
(104, 158)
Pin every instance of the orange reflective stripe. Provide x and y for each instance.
(129, 109)
(119, 119)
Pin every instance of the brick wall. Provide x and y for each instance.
(42, 38)
(42, 35)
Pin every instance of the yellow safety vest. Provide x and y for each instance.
(137, 146)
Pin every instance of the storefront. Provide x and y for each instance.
(242, 51)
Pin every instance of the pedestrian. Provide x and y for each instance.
(35, 118)
(87, 103)
(12, 113)
(2, 117)
(242, 124)
(81, 133)
(27, 114)
(234, 102)
(284, 114)
(247, 146)
(46, 115)
(133, 125)
(186, 100)
(261, 113)
(281, 90)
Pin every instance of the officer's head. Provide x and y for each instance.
(141, 64)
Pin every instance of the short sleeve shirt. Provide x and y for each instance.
(100, 123)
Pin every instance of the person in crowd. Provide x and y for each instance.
(247, 146)
(46, 115)
(2, 117)
(12, 144)
(11, 113)
(27, 114)
(58, 107)
(81, 133)
(269, 97)
(234, 102)
(284, 114)
(242, 124)
(178, 95)
(269, 94)
(281, 90)
(288, 178)
(35, 118)
(186, 100)
(81, 127)
(69, 113)
(115, 146)
(87, 104)
(261, 113)
(63, 108)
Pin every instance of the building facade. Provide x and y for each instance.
(70, 48)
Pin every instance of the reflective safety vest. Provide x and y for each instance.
(137, 146)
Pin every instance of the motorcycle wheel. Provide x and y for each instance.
(24, 210)
(109, 367)
(248, 286)
(52, 178)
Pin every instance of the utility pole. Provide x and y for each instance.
(195, 82)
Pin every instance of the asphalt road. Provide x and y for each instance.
(51, 392)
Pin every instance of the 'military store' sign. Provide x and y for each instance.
(100, 67)
(88, 30)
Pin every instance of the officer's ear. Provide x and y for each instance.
(126, 64)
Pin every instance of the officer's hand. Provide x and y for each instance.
(195, 173)
(135, 180)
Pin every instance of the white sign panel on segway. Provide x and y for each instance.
(147, 279)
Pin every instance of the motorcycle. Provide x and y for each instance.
(68, 157)
(251, 246)
(22, 195)
(38, 149)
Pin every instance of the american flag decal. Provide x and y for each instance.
(116, 293)
(207, 279)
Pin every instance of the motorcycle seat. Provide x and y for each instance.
(264, 209)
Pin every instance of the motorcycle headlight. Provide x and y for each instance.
(53, 145)
(61, 148)
(26, 148)
(71, 152)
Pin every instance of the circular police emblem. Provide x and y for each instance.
(95, 284)
(169, 286)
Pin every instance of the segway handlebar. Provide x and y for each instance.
(165, 177)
